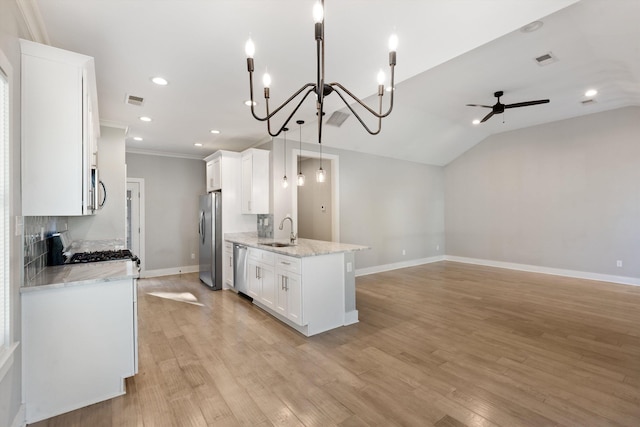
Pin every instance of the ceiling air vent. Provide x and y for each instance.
(134, 100)
(588, 102)
(337, 119)
(546, 59)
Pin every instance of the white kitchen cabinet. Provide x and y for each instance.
(255, 181)
(261, 276)
(289, 289)
(227, 265)
(60, 127)
(79, 343)
(214, 175)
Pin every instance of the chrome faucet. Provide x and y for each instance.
(292, 236)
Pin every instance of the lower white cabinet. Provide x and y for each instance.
(260, 276)
(227, 265)
(289, 289)
(79, 343)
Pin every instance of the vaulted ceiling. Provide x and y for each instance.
(451, 53)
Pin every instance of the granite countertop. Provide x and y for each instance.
(302, 248)
(62, 276)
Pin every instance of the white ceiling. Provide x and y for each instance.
(451, 53)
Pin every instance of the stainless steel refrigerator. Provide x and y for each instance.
(210, 234)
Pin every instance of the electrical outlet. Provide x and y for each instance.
(619, 263)
(193, 256)
(404, 252)
(437, 247)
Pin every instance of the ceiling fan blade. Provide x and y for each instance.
(527, 103)
(487, 117)
(479, 105)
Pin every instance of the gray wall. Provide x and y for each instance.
(390, 205)
(562, 195)
(172, 187)
(387, 204)
(12, 27)
(109, 222)
(313, 222)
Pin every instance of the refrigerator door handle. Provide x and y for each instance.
(201, 226)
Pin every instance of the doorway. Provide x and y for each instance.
(135, 218)
(316, 205)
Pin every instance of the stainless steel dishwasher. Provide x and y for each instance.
(240, 268)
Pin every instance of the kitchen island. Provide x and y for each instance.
(310, 285)
(79, 330)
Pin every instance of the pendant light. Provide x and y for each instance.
(321, 175)
(300, 175)
(285, 183)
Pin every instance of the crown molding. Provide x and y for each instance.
(164, 154)
(33, 20)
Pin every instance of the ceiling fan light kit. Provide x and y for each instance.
(321, 87)
(499, 107)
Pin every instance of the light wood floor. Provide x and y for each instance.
(444, 344)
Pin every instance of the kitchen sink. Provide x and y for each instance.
(277, 244)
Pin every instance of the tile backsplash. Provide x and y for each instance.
(36, 231)
(265, 225)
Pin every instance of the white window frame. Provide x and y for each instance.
(7, 347)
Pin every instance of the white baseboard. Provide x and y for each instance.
(20, 420)
(397, 265)
(351, 317)
(169, 271)
(635, 281)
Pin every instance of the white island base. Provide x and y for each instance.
(322, 296)
(309, 286)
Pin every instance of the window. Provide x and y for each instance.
(5, 284)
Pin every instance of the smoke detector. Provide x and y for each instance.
(134, 100)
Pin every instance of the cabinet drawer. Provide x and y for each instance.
(261, 256)
(288, 263)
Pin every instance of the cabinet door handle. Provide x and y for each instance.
(286, 283)
(285, 262)
(282, 282)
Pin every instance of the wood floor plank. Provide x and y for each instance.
(443, 344)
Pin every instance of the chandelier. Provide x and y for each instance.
(321, 88)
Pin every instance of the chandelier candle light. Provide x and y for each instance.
(320, 88)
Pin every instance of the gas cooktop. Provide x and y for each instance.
(97, 256)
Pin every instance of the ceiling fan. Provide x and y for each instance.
(499, 107)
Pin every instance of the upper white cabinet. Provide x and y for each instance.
(255, 181)
(214, 174)
(60, 128)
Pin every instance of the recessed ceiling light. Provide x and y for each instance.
(531, 27)
(248, 103)
(198, 144)
(160, 81)
(214, 131)
(145, 118)
(476, 121)
(137, 138)
(591, 93)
